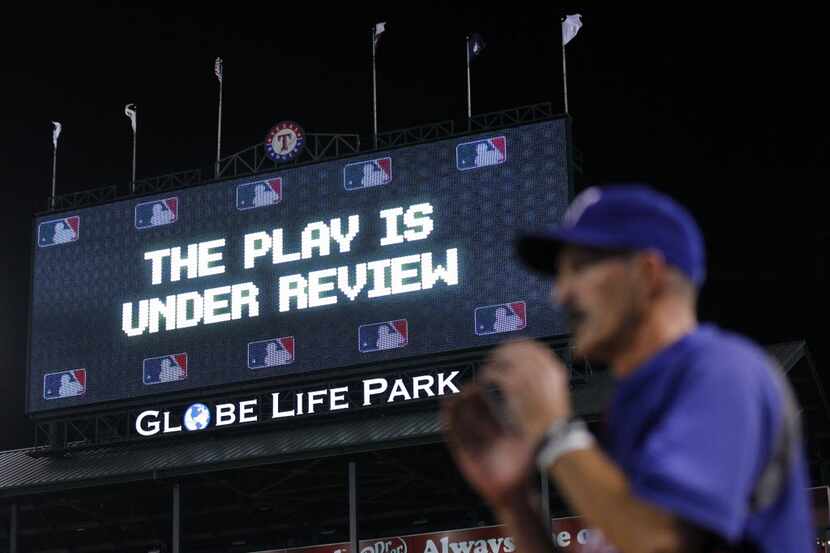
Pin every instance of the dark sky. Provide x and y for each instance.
(727, 111)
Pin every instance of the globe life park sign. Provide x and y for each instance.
(368, 392)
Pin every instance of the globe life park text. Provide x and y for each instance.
(369, 279)
(371, 391)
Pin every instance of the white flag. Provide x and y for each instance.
(379, 28)
(217, 69)
(56, 132)
(129, 111)
(571, 26)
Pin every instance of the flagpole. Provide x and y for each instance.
(135, 139)
(469, 94)
(219, 132)
(374, 87)
(564, 69)
(54, 172)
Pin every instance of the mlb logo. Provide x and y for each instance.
(271, 353)
(365, 174)
(502, 317)
(258, 194)
(167, 368)
(157, 213)
(385, 335)
(59, 231)
(481, 153)
(64, 384)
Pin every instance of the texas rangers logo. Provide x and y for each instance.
(381, 336)
(481, 153)
(64, 384)
(502, 317)
(167, 368)
(157, 213)
(284, 141)
(365, 174)
(271, 353)
(59, 231)
(261, 193)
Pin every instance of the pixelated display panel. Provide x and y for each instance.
(372, 258)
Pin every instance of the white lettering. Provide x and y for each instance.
(423, 223)
(278, 254)
(225, 414)
(157, 262)
(217, 310)
(246, 411)
(293, 286)
(398, 389)
(244, 294)
(316, 287)
(165, 309)
(276, 413)
(378, 269)
(127, 318)
(206, 258)
(168, 427)
(432, 275)
(343, 280)
(257, 244)
(316, 398)
(186, 317)
(392, 236)
(338, 395)
(316, 235)
(423, 383)
(372, 387)
(151, 427)
(345, 242)
(399, 274)
(190, 263)
(447, 383)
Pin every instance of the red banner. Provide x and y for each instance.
(569, 533)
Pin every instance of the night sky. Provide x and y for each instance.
(727, 112)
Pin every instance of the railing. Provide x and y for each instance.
(318, 147)
(416, 135)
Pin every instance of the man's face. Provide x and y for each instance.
(604, 299)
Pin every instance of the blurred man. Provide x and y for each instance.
(703, 450)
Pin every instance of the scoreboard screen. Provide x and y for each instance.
(368, 259)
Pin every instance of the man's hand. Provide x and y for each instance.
(534, 383)
(494, 458)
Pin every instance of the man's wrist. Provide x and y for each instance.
(563, 436)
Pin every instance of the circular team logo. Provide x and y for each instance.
(284, 141)
(197, 417)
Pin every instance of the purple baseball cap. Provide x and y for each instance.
(624, 217)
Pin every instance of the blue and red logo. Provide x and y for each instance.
(167, 368)
(481, 153)
(381, 336)
(365, 174)
(59, 231)
(499, 318)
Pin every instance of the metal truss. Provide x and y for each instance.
(171, 181)
(515, 116)
(416, 135)
(318, 147)
(83, 198)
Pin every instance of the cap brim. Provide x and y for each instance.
(540, 250)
